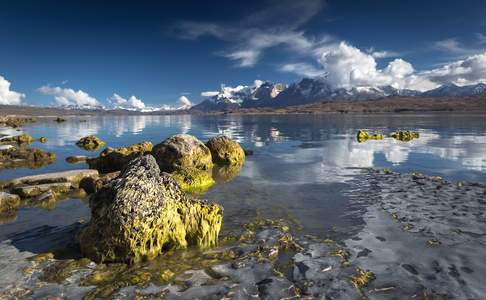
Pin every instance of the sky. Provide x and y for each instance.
(154, 53)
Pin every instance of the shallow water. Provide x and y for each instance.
(303, 167)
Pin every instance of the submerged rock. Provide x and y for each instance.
(8, 202)
(76, 159)
(143, 213)
(226, 173)
(116, 159)
(364, 135)
(17, 139)
(405, 136)
(13, 157)
(182, 151)
(226, 151)
(90, 142)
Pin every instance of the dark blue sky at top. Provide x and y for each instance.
(138, 48)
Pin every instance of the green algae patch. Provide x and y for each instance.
(60, 271)
(143, 213)
(363, 136)
(225, 151)
(194, 181)
(116, 159)
(405, 135)
(90, 143)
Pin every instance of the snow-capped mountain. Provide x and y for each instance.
(310, 90)
(452, 90)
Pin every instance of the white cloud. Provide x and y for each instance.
(131, 103)
(185, 102)
(7, 96)
(470, 70)
(209, 93)
(302, 69)
(449, 45)
(69, 97)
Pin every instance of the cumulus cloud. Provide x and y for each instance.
(132, 103)
(69, 97)
(7, 96)
(185, 102)
(209, 93)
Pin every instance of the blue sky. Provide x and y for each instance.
(158, 52)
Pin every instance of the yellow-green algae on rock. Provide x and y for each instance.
(226, 173)
(90, 142)
(364, 135)
(143, 213)
(405, 135)
(225, 151)
(193, 180)
(116, 159)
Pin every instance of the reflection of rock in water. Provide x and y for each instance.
(8, 217)
(226, 173)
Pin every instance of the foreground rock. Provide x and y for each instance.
(90, 142)
(143, 213)
(188, 159)
(225, 151)
(116, 159)
(8, 202)
(16, 157)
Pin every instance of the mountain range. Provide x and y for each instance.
(311, 90)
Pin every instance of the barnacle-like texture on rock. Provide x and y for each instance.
(116, 159)
(143, 213)
(226, 151)
(405, 135)
(90, 142)
(182, 151)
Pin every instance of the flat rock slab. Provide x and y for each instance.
(36, 190)
(72, 176)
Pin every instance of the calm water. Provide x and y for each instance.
(303, 168)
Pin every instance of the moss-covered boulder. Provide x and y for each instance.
(116, 159)
(225, 151)
(17, 139)
(193, 180)
(182, 151)
(90, 142)
(8, 202)
(143, 213)
(24, 157)
(405, 135)
(364, 135)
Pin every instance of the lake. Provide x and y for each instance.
(304, 167)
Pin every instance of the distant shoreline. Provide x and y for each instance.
(405, 105)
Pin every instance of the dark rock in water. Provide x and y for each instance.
(93, 184)
(143, 213)
(43, 139)
(248, 152)
(17, 139)
(405, 136)
(8, 202)
(90, 142)
(116, 159)
(76, 159)
(226, 151)
(181, 151)
(14, 157)
(15, 122)
(59, 120)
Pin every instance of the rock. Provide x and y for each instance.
(193, 180)
(43, 139)
(17, 139)
(405, 136)
(364, 135)
(182, 151)
(59, 120)
(225, 151)
(8, 202)
(14, 157)
(38, 189)
(15, 122)
(143, 213)
(73, 177)
(76, 159)
(248, 152)
(226, 173)
(116, 159)
(90, 142)
(92, 184)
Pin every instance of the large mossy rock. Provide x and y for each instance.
(142, 213)
(182, 151)
(116, 159)
(90, 142)
(226, 151)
